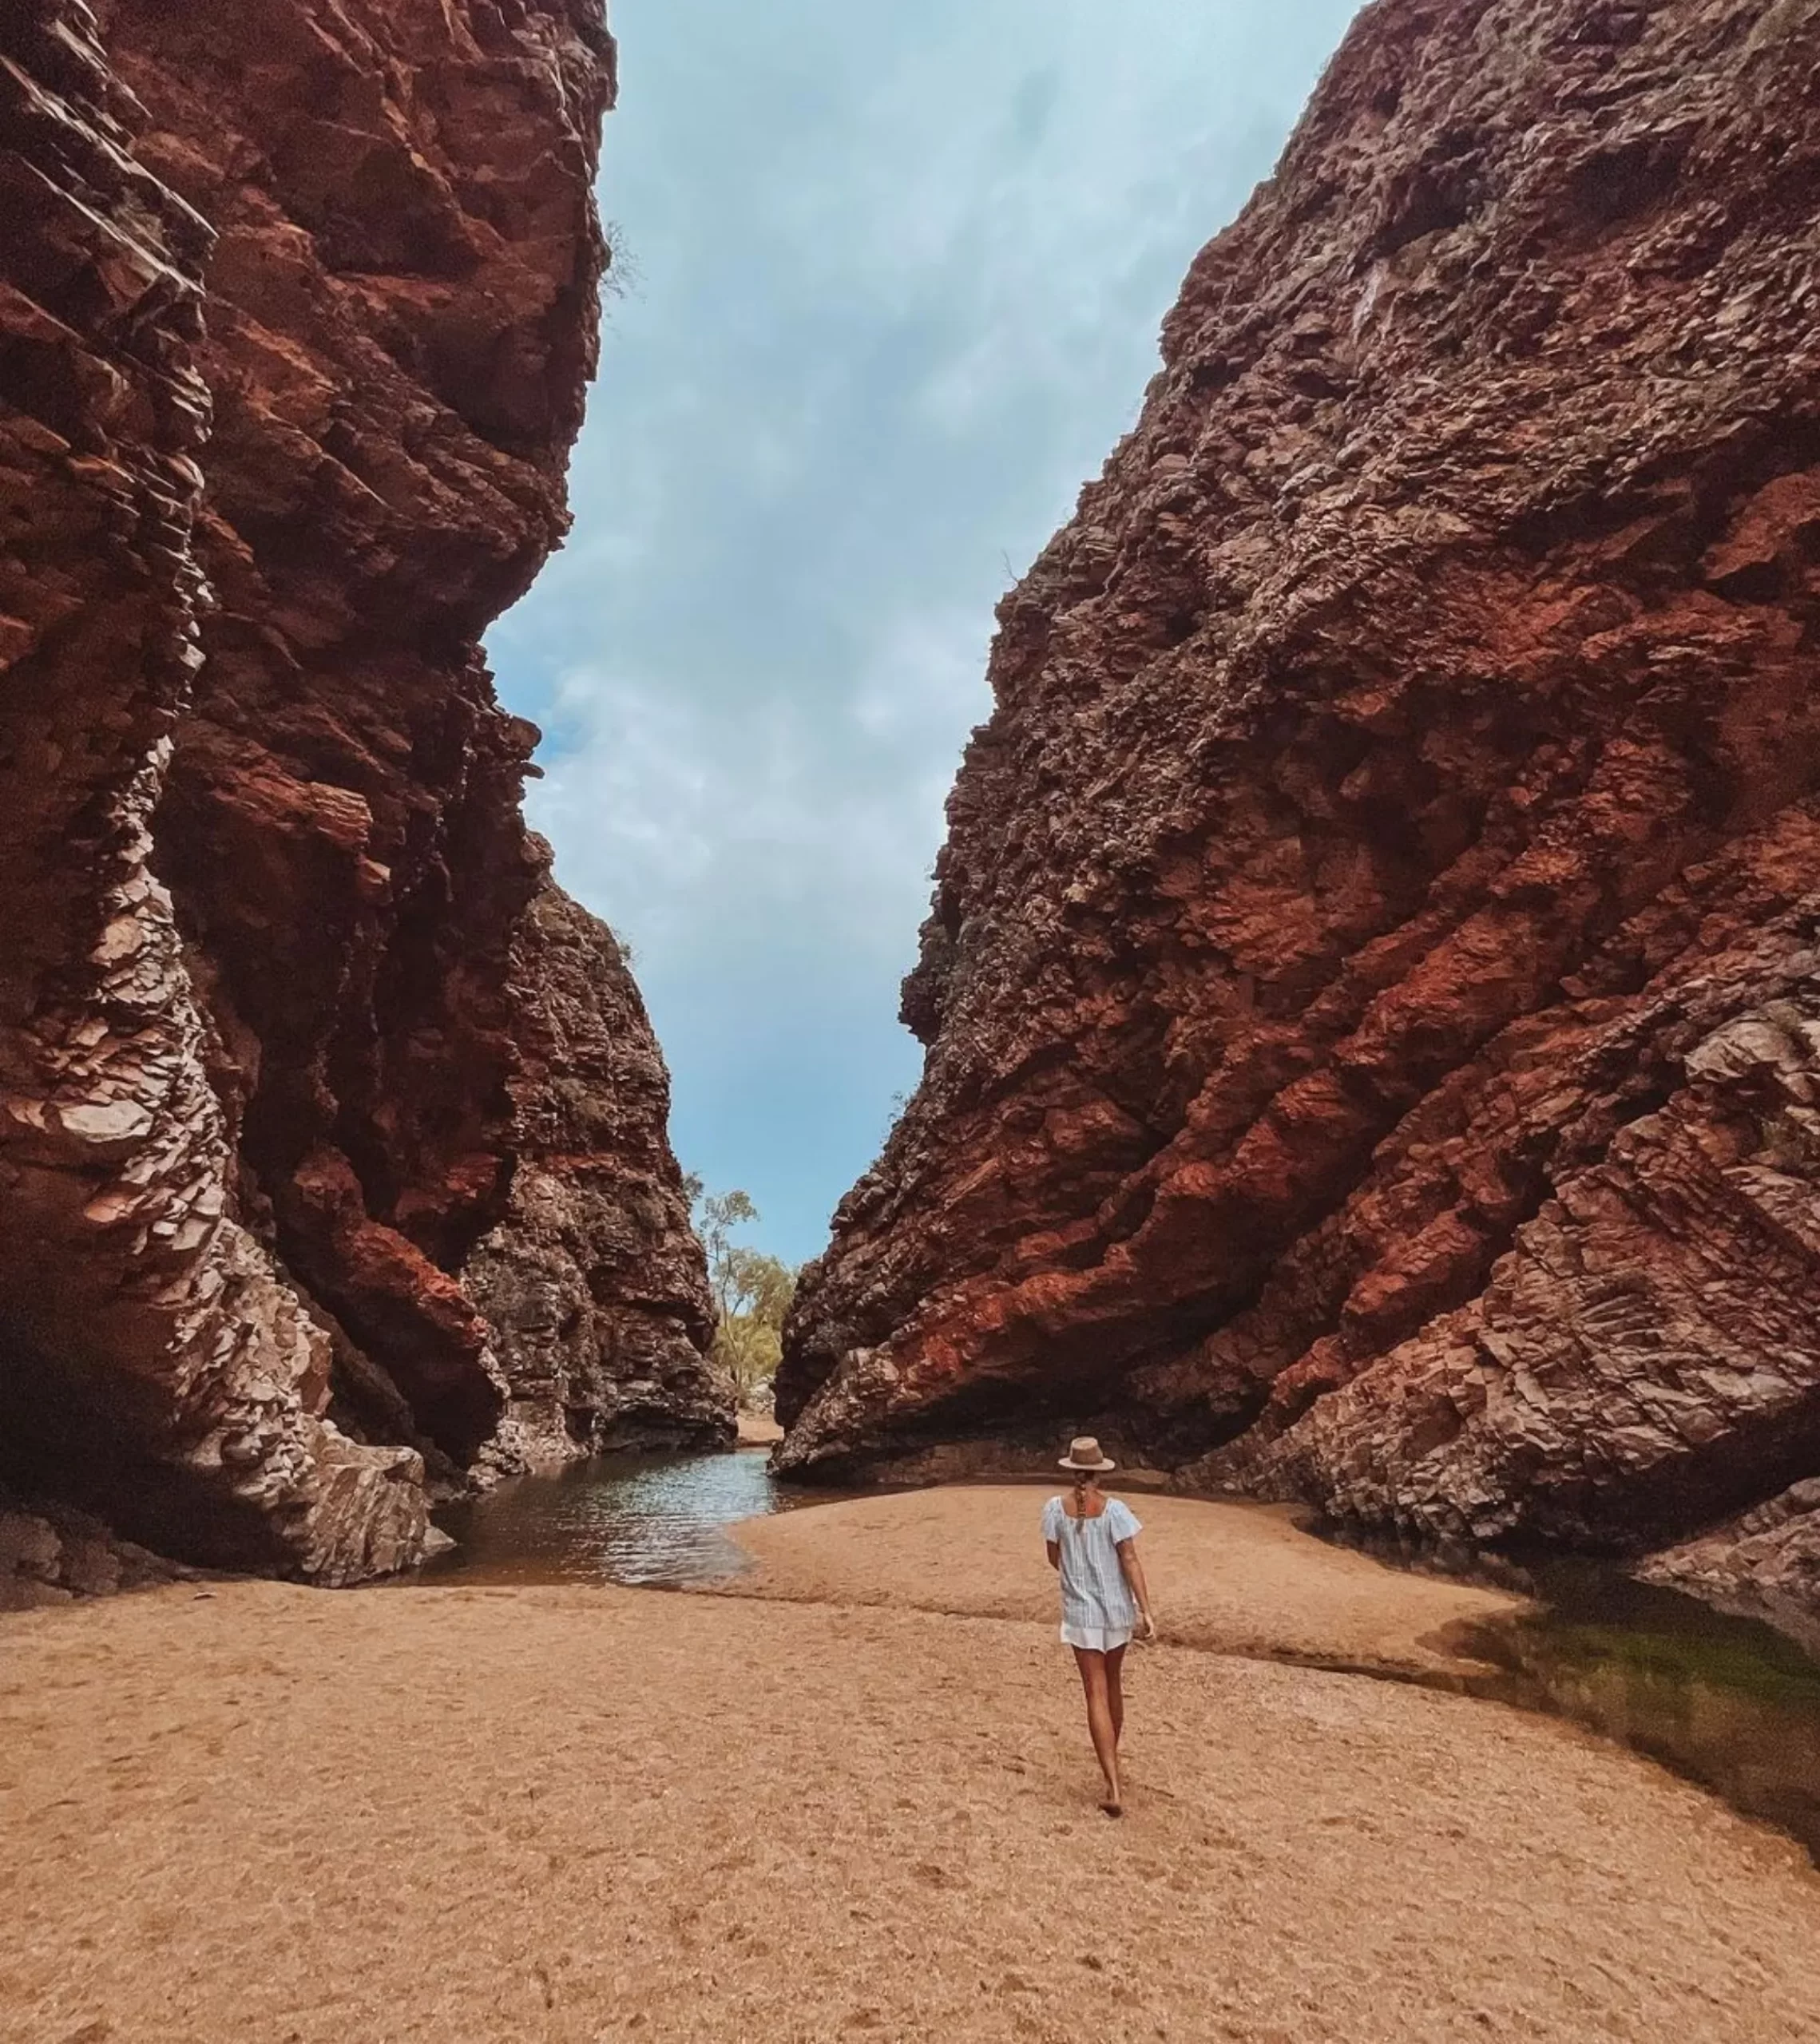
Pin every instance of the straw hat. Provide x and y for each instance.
(1084, 1453)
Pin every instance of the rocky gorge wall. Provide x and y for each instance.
(1371, 995)
(298, 305)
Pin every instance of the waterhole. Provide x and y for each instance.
(1723, 1700)
(651, 1520)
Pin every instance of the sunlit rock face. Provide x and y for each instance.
(299, 301)
(1371, 1001)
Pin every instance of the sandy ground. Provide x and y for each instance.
(561, 1814)
(756, 1430)
(1230, 1578)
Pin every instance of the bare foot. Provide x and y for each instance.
(1111, 1808)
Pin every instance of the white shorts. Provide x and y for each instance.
(1096, 1639)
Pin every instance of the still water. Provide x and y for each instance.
(656, 1520)
(1727, 1701)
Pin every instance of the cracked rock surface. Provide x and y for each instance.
(296, 307)
(1370, 991)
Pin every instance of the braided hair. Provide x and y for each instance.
(1082, 1478)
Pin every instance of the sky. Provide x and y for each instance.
(890, 280)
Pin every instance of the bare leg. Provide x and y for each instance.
(1115, 1693)
(1092, 1667)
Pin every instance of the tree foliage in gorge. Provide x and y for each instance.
(752, 1291)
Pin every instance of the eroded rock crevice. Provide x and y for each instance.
(1370, 991)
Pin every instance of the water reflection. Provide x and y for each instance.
(650, 1519)
(1728, 1702)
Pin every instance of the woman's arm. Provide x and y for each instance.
(1139, 1589)
(1054, 1548)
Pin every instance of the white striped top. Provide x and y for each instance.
(1094, 1592)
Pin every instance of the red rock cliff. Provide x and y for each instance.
(1371, 1001)
(296, 322)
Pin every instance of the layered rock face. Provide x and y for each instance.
(592, 1279)
(1371, 1000)
(296, 327)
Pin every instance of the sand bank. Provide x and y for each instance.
(1228, 1578)
(476, 1815)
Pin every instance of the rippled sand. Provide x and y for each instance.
(566, 1815)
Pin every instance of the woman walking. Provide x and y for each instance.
(1093, 1541)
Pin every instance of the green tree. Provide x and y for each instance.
(752, 1291)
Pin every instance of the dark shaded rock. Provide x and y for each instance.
(49, 1555)
(1767, 1561)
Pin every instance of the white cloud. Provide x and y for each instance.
(687, 817)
